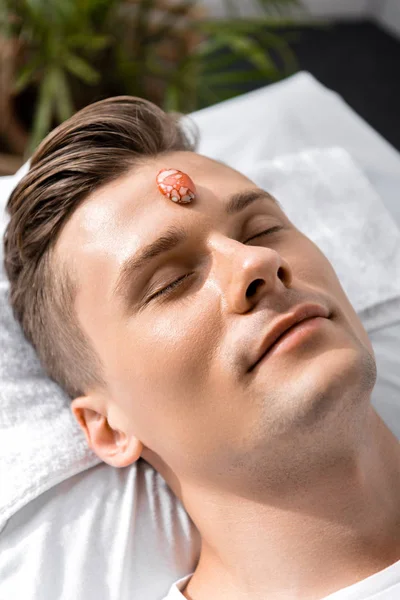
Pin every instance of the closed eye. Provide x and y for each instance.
(265, 232)
(168, 289)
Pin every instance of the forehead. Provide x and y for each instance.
(133, 205)
(114, 221)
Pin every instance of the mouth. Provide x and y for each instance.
(290, 330)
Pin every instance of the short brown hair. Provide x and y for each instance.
(95, 146)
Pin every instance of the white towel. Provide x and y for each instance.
(323, 193)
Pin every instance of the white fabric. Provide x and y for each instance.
(384, 585)
(289, 116)
(176, 589)
(106, 534)
(66, 533)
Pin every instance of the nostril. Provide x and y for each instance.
(285, 274)
(251, 290)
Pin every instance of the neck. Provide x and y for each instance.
(327, 530)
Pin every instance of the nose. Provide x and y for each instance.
(247, 273)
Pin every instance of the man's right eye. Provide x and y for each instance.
(169, 288)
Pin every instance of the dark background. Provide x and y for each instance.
(359, 60)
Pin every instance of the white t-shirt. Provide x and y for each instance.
(384, 585)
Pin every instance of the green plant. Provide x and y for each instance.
(72, 52)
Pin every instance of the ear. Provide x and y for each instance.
(111, 445)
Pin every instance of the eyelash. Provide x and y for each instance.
(168, 289)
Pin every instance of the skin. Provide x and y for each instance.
(290, 476)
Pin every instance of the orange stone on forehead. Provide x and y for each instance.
(176, 185)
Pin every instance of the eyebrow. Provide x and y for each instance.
(174, 236)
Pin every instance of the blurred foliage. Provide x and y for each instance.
(72, 52)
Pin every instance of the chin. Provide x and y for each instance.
(340, 385)
(321, 387)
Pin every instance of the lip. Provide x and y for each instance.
(280, 327)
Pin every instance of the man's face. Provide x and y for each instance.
(177, 364)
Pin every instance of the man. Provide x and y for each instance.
(196, 327)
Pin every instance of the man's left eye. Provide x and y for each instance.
(265, 232)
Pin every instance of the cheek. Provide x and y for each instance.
(162, 381)
(310, 264)
(173, 349)
(317, 270)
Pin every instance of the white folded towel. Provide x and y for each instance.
(323, 193)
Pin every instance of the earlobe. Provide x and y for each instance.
(112, 446)
(126, 451)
